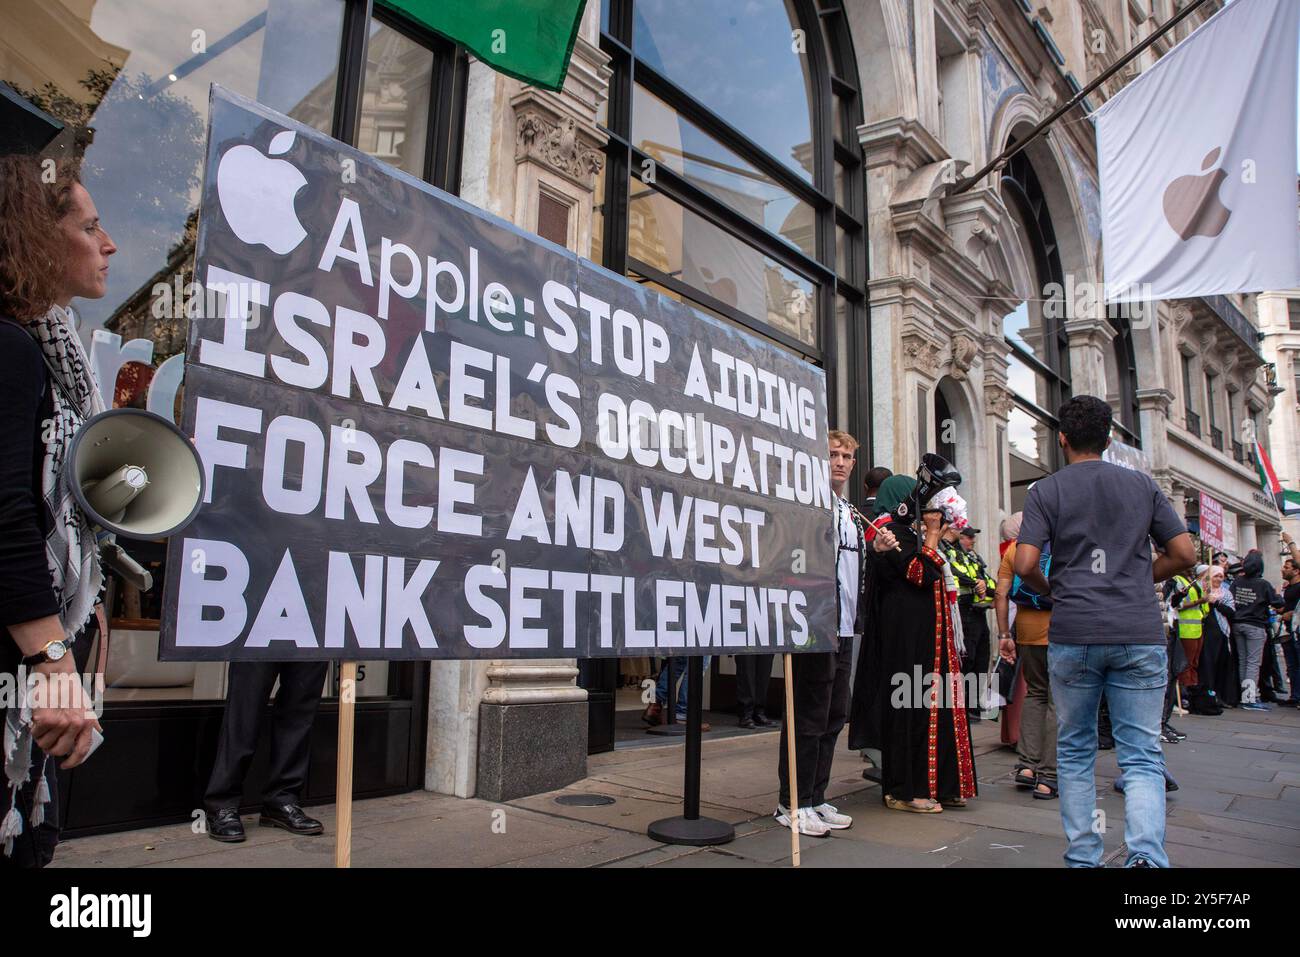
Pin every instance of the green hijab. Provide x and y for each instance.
(895, 489)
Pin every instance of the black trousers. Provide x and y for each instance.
(248, 686)
(821, 708)
(1172, 649)
(975, 631)
(753, 678)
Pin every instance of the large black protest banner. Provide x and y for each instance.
(428, 434)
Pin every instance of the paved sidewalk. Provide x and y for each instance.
(1239, 805)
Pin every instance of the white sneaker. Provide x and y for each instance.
(810, 822)
(832, 817)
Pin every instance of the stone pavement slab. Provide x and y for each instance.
(1238, 806)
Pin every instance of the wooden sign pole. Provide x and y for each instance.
(793, 776)
(343, 786)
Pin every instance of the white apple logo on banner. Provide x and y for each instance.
(257, 193)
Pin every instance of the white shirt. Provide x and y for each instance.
(847, 558)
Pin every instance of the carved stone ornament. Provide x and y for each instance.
(558, 145)
(964, 348)
(997, 401)
(920, 353)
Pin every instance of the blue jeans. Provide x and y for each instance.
(1133, 678)
(679, 674)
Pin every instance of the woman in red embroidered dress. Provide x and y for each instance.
(911, 701)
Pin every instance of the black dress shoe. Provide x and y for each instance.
(763, 721)
(291, 818)
(747, 722)
(225, 826)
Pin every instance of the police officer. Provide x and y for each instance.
(975, 590)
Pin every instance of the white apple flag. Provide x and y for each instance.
(1198, 162)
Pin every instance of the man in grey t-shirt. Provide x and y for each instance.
(1097, 520)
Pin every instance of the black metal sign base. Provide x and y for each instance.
(690, 829)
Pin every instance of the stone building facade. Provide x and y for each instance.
(958, 278)
(795, 167)
(1279, 321)
(978, 323)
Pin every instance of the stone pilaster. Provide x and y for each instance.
(1090, 340)
(505, 729)
(1153, 426)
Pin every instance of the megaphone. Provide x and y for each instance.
(134, 474)
(933, 475)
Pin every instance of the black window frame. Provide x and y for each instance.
(834, 71)
(1021, 187)
(445, 129)
(445, 133)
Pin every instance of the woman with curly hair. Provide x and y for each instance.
(52, 250)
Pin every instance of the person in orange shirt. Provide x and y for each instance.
(1036, 748)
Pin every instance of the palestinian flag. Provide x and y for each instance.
(531, 40)
(1287, 501)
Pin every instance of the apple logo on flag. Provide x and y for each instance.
(256, 195)
(1192, 204)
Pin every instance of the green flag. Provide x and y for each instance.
(527, 39)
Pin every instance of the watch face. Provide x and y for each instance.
(55, 650)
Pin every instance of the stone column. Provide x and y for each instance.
(1246, 537)
(1265, 534)
(505, 729)
(893, 149)
(1090, 339)
(997, 405)
(533, 717)
(1153, 426)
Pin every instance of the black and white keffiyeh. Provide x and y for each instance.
(70, 547)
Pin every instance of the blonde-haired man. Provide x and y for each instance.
(821, 680)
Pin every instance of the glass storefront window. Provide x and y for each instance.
(1024, 381)
(740, 60)
(127, 72)
(395, 99)
(1028, 436)
(686, 246)
(1024, 327)
(673, 141)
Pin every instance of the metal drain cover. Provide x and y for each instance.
(584, 800)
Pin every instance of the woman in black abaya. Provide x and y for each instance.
(910, 637)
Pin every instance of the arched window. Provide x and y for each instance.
(733, 178)
(1039, 369)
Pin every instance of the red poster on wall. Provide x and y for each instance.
(1211, 521)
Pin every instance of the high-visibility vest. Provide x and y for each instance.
(1192, 617)
(970, 566)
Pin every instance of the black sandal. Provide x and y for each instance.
(1051, 794)
(1026, 782)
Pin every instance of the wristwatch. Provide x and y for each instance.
(53, 651)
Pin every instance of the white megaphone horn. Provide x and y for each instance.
(134, 474)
